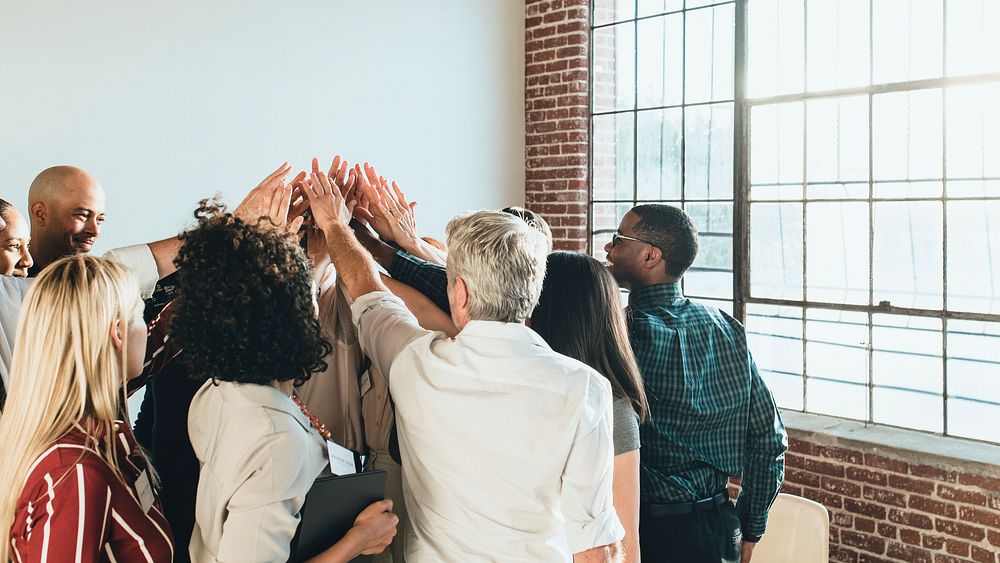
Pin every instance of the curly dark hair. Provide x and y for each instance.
(245, 309)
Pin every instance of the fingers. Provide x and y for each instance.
(281, 172)
(296, 224)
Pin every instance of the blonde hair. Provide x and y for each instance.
(501, 259)
(65, 374)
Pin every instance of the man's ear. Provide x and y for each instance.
(116, 335)
(38, 213)
(461, 293)
(652, 257)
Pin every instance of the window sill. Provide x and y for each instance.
(905, 445)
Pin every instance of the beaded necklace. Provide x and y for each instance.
(315, 422)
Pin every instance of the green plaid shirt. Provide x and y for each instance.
(711, 416)
(429, 279)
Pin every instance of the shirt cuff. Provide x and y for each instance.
(140, 259)
(369, 301)
(604, 529)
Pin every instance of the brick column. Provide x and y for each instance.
(556, 117)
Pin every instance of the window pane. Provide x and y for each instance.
(607, 11)
(837, 363)
(776, 151)
(907, 371)
(712, 272)
(776, 45)
(837, 44)
(907, 269)
(651, 7)
(661, 61)
(726, 306)
(837, 252)
(908, 37)
(847, 190)
(837, 139)
(605, 217)
(973, 131)
(613, 60)
(974, 256)
(660, 153)
(774, 335)
(973, 41)
(907, 190)
(709, 54)
(612, 162)
(708, 159)
(776, 250)
(974, 379)
(907, 136)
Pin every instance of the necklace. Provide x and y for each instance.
(315, 422)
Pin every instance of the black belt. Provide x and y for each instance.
(661, 510)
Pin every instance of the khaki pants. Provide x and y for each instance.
(393, 490)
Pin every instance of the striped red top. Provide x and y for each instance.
(74, 508)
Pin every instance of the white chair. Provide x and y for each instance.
(798, 531)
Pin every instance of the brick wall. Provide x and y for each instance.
(556, 116)
(885, 508)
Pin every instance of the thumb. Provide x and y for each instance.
(296, 224)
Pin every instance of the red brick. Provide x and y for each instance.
(864, 525)
(911, 537)
(979, 481)
(823, 467)
(908, 553)
(983, 556)
(843, 488)
(865, 542)
(942, 558)
(843, 555)
(866, 475)
(911, 519)
(880, 462)
(883, 496)
(911, 485)
(865, 508)
(994, 537)
(802, 447)
(979, 516)
(887, 530)
(959, 530)
(802, 477)
(841, 454)
(866, 558)
(933, 542)
(961, 495)
(834, 536)
(828, 500)
(792, 460)
(924, 504)
(936, 473)
(841, 519)
(791, 490)
(956, 547)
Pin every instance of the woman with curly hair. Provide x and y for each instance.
(246, 320)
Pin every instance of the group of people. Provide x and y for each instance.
(520, 412)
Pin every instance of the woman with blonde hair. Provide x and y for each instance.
(76, 486)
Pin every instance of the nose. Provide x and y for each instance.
(26, 260)
(93, 227)
(608, 247)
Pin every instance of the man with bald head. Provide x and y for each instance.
(66, 210)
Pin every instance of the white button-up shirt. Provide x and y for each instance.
(506, 445)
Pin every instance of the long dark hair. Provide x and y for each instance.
(580, 315)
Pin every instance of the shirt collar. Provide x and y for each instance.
(656, 295)
(268, 397)
(506, 331)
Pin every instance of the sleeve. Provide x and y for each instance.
(263, 513)
(764, 468)
(429, 279)
(140, 259)
(626, 427)
(590, 518)
(70, 519)
(385, 327)
(12, 293)
(160, 348)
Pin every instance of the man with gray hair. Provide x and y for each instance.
(506, 444)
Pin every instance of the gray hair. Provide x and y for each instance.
(501, 259)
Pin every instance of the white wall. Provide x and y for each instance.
(169, 102)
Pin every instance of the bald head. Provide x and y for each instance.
(66, 210)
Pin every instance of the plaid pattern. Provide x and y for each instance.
(429, 279)
(711, 416)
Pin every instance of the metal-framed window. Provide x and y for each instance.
(865, 155)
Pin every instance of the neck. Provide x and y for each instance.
(41, 253)
(286, 387)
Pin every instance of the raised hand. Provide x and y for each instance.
(387, 211)
(271, 200)
(325, 199)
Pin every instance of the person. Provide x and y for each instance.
(15, 238)
(710, 415)
(77, 488)
(246, 321)
(579, 315)
(506, 445)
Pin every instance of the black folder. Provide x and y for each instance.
(332, 505)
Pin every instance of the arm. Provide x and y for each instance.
(764, 468)
(626, 500)
(592, 527)
(429, 315)
(373, 531)
(57, 526)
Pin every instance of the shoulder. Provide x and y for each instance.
(65, 463)
(626, 426)
(13, 289)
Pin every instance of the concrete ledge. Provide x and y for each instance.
(910, 446)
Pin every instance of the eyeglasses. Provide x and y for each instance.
(617, 236)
